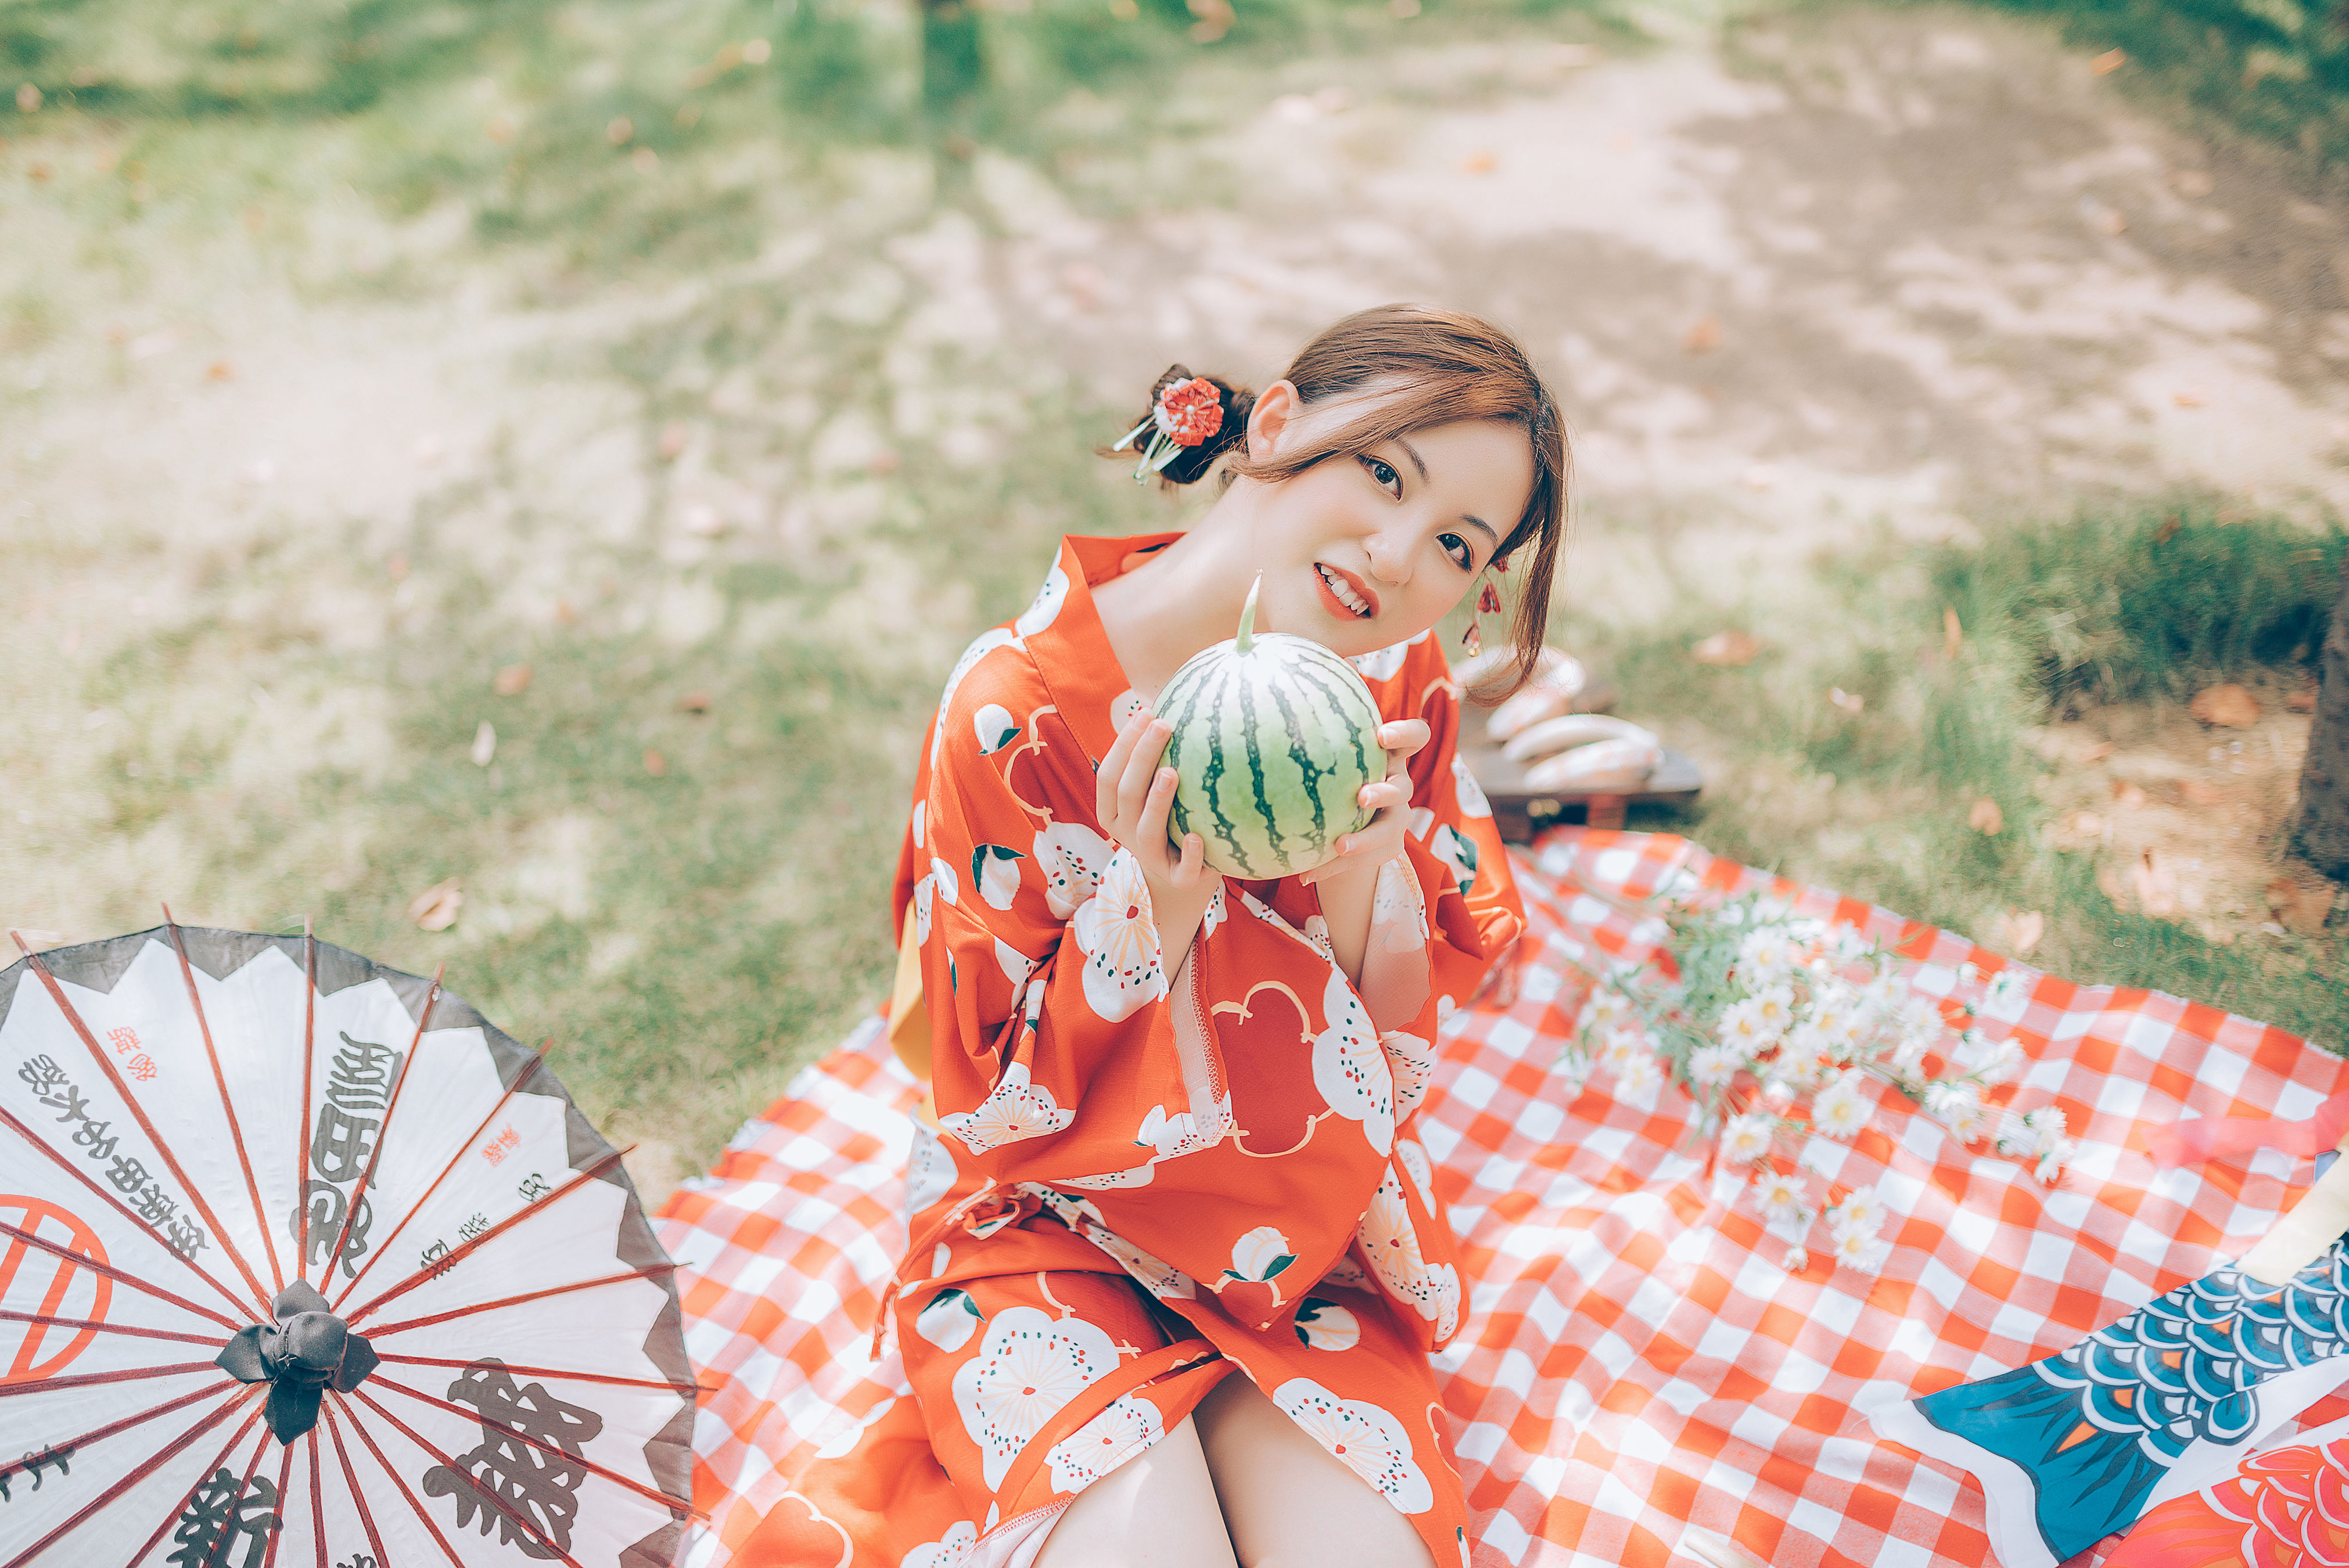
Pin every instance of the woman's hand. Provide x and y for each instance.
(1363, 853)
(1131, 795)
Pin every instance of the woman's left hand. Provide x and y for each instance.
(1390, 798)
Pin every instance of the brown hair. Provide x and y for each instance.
(1443, 366)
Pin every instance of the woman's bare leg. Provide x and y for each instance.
(1288, 1501)
(1157, 1510)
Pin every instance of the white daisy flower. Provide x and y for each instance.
(1860, 1250)
(2040, 1136)
(1958, 1107)
(1773, 1006)
(1715, 1067)
(1744, 1029)
(1796, 1261)
(1747, 1137)
(1862, 1209)
(1841, 1109)
(1783, 1198)
(1636, 1075)
(1767, 956)
(2004, 1060)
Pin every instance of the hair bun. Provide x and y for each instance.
(1191, 462)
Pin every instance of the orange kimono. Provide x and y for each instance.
(1141, 1180)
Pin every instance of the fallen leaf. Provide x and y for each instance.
(620, 131)
(500, 129)
(673, 437)
(398, 566)
(1851, 703)
(2156, 886)
(1953, 634)
(564, 615)
(485, 744)
(702, 520)
(2302, 701)
(2108, 62)
(2302, 907)
(512, 681)
(694, 702)
(2084, 825)
(1985, 818)
(884, 462)
(645, 159)
(2195, 792)
(29, 100)
(1479, 163)
(220, 371)
(1403, 10)
(2126, 796)
(435, 909)
(2168, 529)
(655, 763)
(2187, 397)
(2112, 222)
(1705, 337)
(2018, 930)
(2229, 705)
(1727, 648)
(2189, 182)
(2098, 752)
(688, 115)
(756, 52)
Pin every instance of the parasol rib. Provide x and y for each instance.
(535, 1531)
(204, 1473)
(302, 1124)
(93, 1379)
(57, 1157)
(614, 1378)
(367, 1514)
(138, 1113)
(82, 1260)
(122, 1424)
(400, 1481)
(318, 1503)
(652, 1494)
(530, 1070)
(383, 1133)
(228, 1108)
(243, 1485)
(49, 1320)
(442, 1265)
(284, 1474)
(138, 1473)
(652, 1272)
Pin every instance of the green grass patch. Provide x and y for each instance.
(2135, 605)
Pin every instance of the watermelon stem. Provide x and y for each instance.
(1248, 616)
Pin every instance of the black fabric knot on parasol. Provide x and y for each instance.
(307, 1349)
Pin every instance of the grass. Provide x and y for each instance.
(2132, 605)
(262, 697)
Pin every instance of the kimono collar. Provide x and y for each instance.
(1070, 648)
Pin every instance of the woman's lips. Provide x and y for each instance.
(1360, 590)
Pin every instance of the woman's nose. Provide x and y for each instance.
(1389, 560)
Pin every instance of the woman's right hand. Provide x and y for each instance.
(1131, 795)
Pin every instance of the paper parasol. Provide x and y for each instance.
(304, 1261)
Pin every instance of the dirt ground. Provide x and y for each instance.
(1800, 281)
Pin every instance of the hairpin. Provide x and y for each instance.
(1185, 414)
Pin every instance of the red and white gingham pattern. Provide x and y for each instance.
(1635, 1359)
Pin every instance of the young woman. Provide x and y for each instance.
(1175, 1265)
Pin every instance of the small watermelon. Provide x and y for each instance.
(1274, 737)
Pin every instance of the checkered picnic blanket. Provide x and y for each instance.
(1635, 1360)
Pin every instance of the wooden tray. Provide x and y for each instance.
(1519, 812)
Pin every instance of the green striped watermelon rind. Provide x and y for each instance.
(1262, 812)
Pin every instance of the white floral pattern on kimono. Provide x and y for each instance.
(1391, 1244)
(1124, 1428)
(950, 1551)
(929, 1171)
(1016, 1109)
(1118, 935)
(1371, 1443)
(1026, 1370)
(1072, 857)
(1350, 1067)
(1325, 1325)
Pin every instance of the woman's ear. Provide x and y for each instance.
(1276, 410)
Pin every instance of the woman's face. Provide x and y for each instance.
(1364, 552)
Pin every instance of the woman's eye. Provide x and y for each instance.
(1458, 548)
(1384, 476)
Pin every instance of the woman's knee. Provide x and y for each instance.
(1288, 1501)
(1157, 1510)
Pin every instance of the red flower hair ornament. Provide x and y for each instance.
(1187, 413)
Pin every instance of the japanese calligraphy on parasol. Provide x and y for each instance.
(303, 1261)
